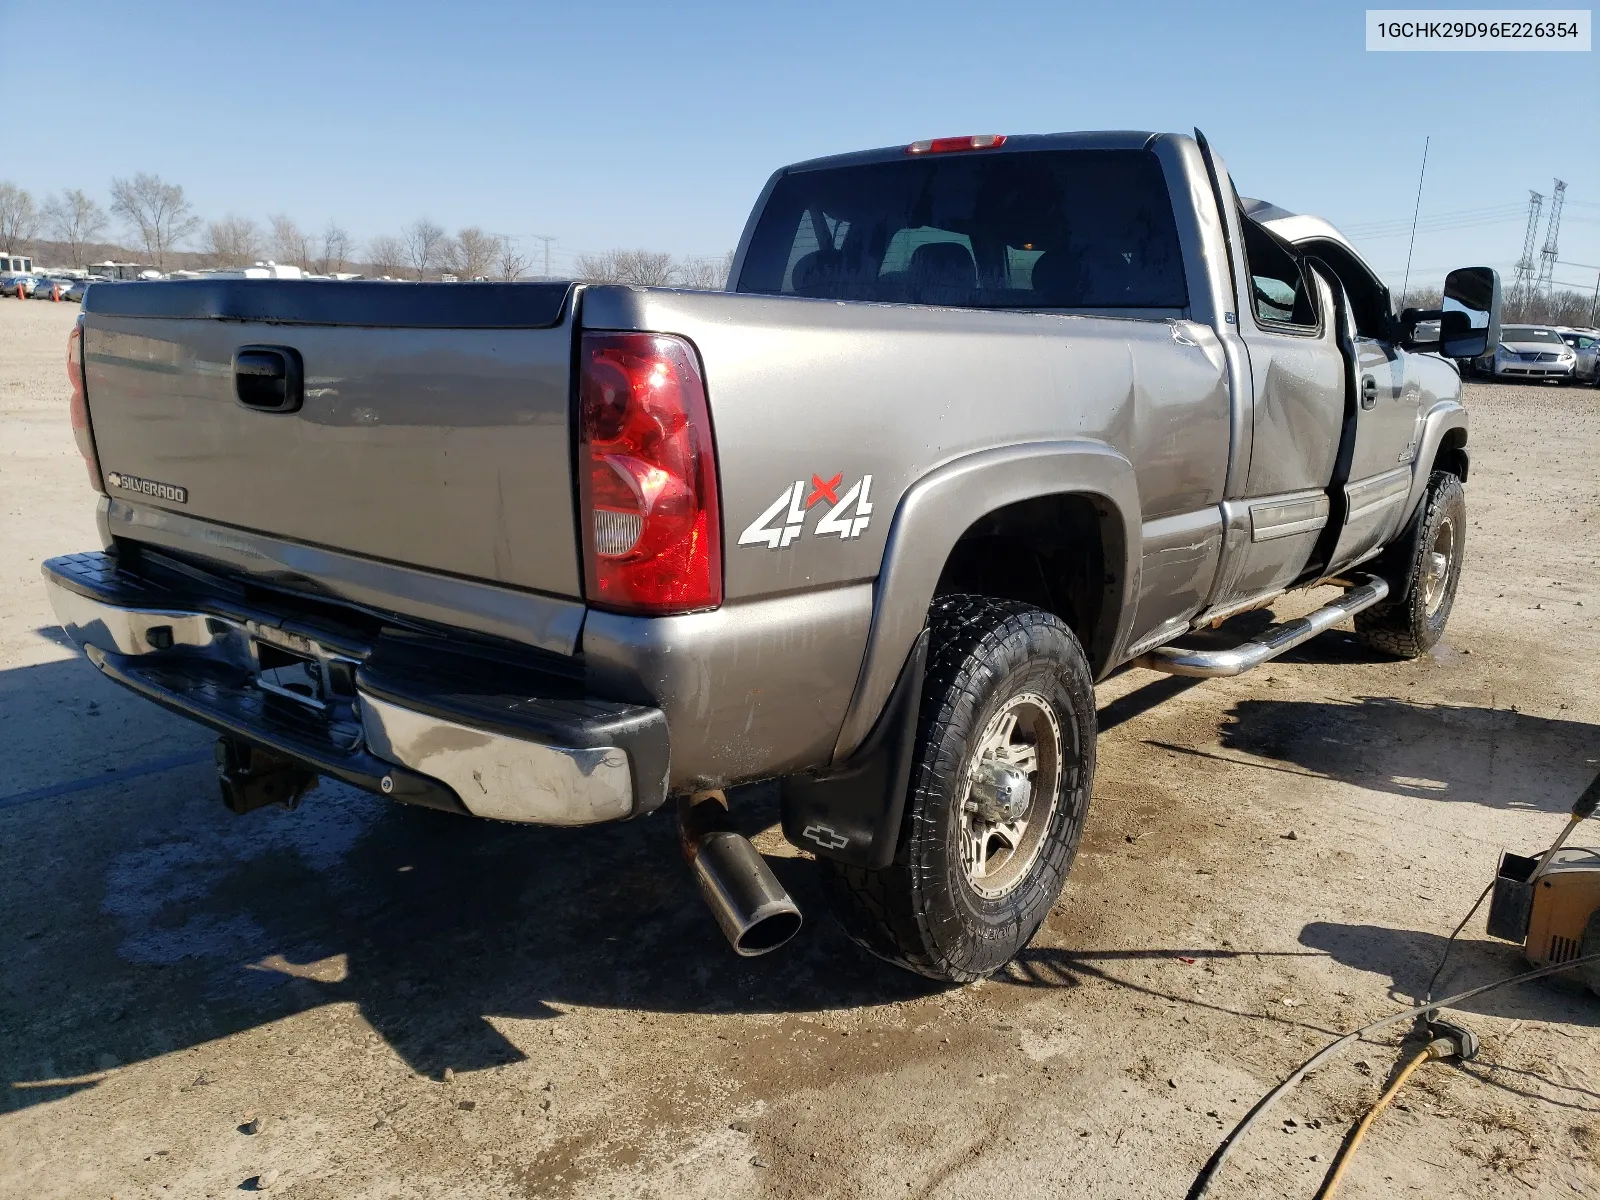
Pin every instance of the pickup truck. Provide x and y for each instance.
(977, 422)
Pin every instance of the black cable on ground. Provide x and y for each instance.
(1219, 1156)
(1451, 943)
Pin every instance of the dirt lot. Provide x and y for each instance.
(355, 1000)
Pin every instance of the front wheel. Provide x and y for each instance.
(1003, 767)
(1430, 556)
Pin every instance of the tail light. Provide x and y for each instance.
(647, 478)
(79, 408)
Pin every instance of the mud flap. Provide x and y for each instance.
(852, 813)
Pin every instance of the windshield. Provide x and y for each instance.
(1041, 229)
(1522, 333)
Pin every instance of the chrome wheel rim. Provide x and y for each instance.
(1436, 567)
(1001, 839)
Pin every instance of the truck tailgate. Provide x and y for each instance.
(433, 429)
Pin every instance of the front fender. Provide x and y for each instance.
(935, 512)
(1442, 418)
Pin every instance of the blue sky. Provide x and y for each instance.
(655, 125)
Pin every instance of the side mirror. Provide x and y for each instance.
(1467, 324)
(1471, 322)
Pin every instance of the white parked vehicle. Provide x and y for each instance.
(260, 270)
(1530, 352)
(1585, 343)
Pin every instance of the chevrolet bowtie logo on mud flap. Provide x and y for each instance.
(825, 836)
(148, 487)
(847, 517)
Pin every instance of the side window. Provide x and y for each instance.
(1279, 291)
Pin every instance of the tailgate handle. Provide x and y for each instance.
(268, 378)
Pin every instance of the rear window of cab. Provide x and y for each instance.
(1034, 229)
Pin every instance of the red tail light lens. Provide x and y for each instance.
(947, 145)
(647, 477)
(79, 408)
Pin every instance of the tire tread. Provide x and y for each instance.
(887, 911)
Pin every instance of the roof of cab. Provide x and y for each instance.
(1124, 139)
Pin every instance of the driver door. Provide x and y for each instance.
(1378, 477)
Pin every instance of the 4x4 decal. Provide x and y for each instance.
(785, 518)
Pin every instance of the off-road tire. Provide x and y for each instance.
(1404, 625)
(920, 912)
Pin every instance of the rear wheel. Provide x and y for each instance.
(1003, 767)
(1429, 555)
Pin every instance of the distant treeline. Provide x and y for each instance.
(159, 226)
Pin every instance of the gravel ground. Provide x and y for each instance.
(355, 1000)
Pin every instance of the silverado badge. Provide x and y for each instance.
(148, 487)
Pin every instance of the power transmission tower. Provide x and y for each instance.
(1522, 283)
(1547, 256)
(539, 237)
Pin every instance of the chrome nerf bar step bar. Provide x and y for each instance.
(1279, 639)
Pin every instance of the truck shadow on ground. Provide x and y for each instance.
(165, 922)
(183, 924)
(1499, 758)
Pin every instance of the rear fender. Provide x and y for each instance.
(941, 506)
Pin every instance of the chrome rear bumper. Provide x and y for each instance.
(414, 718)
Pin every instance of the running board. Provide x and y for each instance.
(1279, 639)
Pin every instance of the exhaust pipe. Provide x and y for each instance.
(755, 913)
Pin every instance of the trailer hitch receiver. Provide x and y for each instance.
(252, 778)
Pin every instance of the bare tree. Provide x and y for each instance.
(1565, 307)
(473, 253)
(596, 268)
(648, 268)
(289, 243)
(19, 218)
(232, 242)
(386, 255)
(156, 211)
(76, 219)
(704, 274)
(512, 263)
(425, 246)
(337, 249)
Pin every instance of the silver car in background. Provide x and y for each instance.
(1530, 352)
(1585, 343)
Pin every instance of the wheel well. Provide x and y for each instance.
(1452, 454)
(1048, 551)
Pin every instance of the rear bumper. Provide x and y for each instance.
(418, 718)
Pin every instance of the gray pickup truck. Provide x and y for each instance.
(977, 422)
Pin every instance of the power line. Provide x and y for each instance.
(1488, 212)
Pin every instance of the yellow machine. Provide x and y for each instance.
(1551, 903)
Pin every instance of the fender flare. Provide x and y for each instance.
(940, 507)
(1442, 418)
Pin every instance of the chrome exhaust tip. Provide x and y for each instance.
(752, 908)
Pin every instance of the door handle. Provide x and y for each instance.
(268, 378)
(1369, 392)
